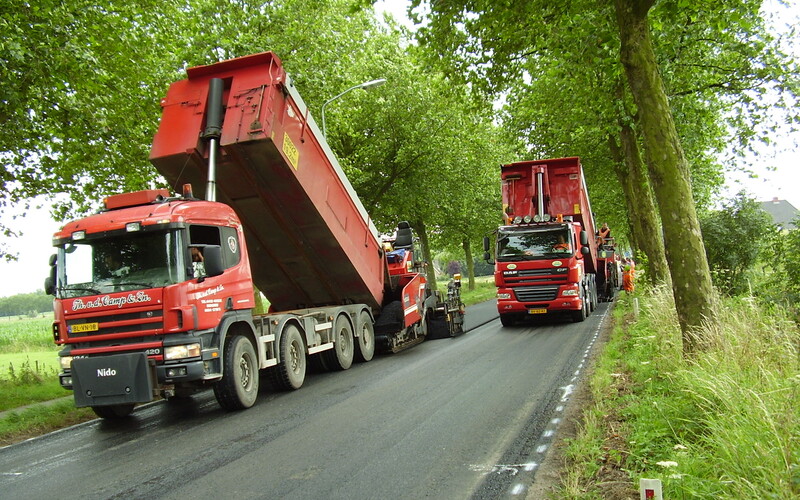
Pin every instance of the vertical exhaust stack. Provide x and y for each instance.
(540, 191)
(212, 132)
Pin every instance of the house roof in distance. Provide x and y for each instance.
(783, 213)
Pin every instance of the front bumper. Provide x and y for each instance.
(508, 303)
(125, 378)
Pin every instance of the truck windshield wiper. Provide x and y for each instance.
(135, 283)
(80, 288)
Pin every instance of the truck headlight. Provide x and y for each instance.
(66, 362)
(504, 296)
(570, 293)
(182, 351)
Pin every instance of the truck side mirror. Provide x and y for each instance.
(486, 255)
(50, 281)
(584, 238)
(49, 286)
(212, 260)
(585, 250)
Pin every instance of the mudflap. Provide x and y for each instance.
(112, 380)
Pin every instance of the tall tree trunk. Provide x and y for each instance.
(470, 263)
(648, 237)
(631, 207)
(422, 234)
(669, 174)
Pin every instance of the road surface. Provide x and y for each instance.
(468, 417)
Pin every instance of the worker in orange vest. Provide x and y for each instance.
(602, 234)
(628, 273)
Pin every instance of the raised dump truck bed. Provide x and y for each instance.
(562, 191)
(310, 240)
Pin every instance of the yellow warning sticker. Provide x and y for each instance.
(290, 151)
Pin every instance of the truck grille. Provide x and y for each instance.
(535, 272)
(536, 294)
(533, 276)
(132, 326)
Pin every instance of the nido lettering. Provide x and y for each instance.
(106, 372)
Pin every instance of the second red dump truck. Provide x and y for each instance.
(545, 254)
(154, 295)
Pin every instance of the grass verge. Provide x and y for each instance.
(721, 425)
(44, 362)
(484, 290)
(19, 425)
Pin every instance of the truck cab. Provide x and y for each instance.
(129, 278)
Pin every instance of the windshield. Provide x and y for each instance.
(130, 261)
(533, 244)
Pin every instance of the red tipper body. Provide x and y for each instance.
(311, 240)
(546, 257)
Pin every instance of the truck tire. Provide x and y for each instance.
(391, 319)
(579, 316)
(238, 388)
(341, 356)
(365, 348)
(113, 411)
(508, 319)
(290, 373)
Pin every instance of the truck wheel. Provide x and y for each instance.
(113, 411)
(291, 371)
(238, 388)
(391, 319)
(578, 316)
(366, 338)
(341, 356)
(508, 319)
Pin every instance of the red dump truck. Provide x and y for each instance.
(545, 255)
(155, 294)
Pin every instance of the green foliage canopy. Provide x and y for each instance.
(91, 76)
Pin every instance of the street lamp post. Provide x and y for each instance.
(366, 85)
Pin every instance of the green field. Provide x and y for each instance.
(20, 333)
(27, 344)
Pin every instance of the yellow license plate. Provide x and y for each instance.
(84, 327)
(537, 311)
